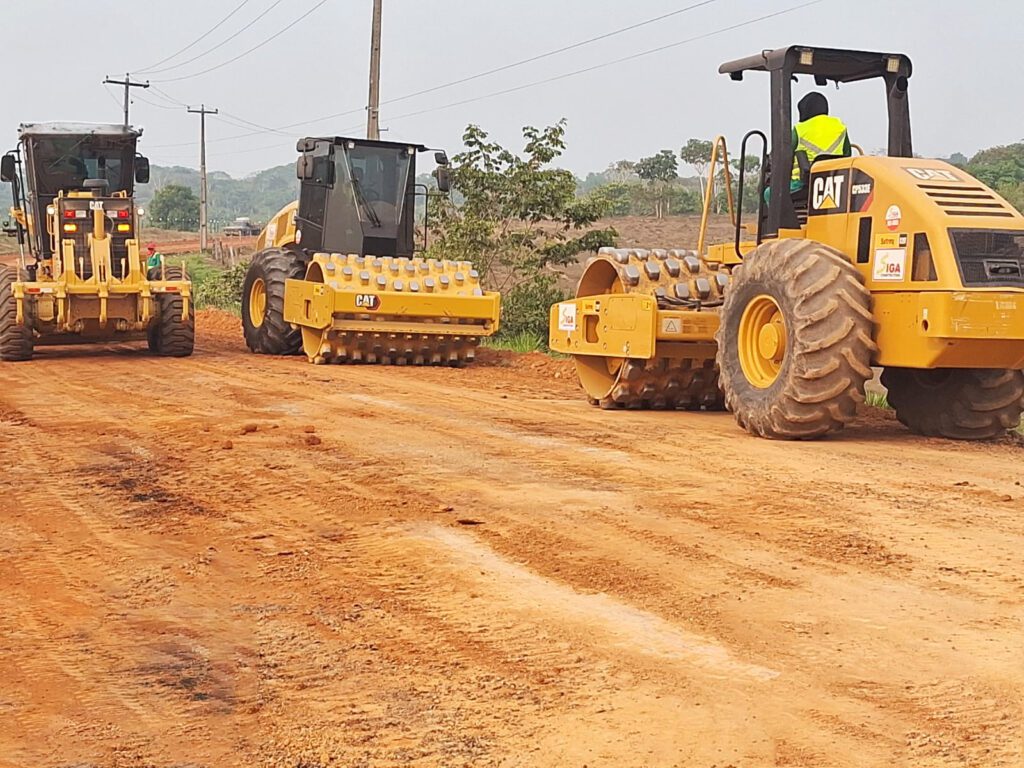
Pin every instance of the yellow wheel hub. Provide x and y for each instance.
(257, 302)
(762, 341)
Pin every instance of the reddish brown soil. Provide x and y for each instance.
(232, 560)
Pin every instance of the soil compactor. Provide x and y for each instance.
(336, 276)
(80, 276)
(900, 262)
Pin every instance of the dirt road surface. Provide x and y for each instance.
(240, 561)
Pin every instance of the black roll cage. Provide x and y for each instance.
(824, 64)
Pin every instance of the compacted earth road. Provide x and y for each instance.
(231, 560)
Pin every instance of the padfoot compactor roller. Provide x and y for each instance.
(336, 276)
(80, 277)
(897, 262)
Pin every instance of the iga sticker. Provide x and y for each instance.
(893, 217)
(890, 264)
(567, 317)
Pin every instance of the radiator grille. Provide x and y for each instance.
(989, 258)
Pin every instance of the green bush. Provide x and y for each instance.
(213, 286)
(220, 289)
(525, 307)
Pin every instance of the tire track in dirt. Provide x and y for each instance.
(613, 581)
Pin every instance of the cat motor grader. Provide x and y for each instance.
(80, 276)
(905, 263)
(336, 275)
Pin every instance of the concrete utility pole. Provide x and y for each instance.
(373, 108)
(127, 83)
(202, 112)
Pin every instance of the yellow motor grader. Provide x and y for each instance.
(901, 262)
(336, 274)
(80, 277)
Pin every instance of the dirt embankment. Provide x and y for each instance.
(236, 560)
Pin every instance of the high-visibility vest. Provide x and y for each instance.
(821, 135)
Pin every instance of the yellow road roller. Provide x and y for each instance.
(898, 262)
(337, 275)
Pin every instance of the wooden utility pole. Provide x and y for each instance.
(128, 84)
(202, 112)
(373, 108)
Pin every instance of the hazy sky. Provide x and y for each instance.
(966, 92)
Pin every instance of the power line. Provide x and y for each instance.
(164, 94)
(245, 53)
(249, 123)
(220, 44)
(110, 93)
(609, 63)
(460, 81)
(197, 40)
(487, 73)
(525, 86)
(128, 84)
(152, 103)
(548, 54)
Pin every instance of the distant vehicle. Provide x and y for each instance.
(243, 227)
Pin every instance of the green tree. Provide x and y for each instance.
(175, 207)
(660, 167)
(621, 171)
(519, 216)
(999, 166)
(697, 154)
(659, 171)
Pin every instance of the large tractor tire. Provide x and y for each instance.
(263, 324)
(169, 335)
(795, 343)
(15, 340)
(957, 403)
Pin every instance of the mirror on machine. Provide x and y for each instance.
(444, 178)
(141, 169)
(7, 168)
(441, 158)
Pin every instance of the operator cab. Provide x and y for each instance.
(358, 196)
(786, 210)
(59, 160)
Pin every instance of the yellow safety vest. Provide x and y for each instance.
(821, 135)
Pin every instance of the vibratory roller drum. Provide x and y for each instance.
(339, 308)
(679, 376)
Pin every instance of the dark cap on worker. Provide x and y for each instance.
(812, 105)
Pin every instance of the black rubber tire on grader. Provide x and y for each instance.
(16, 341)
(169, 335)
(795, 343)
(956, 403)
(263, 323)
